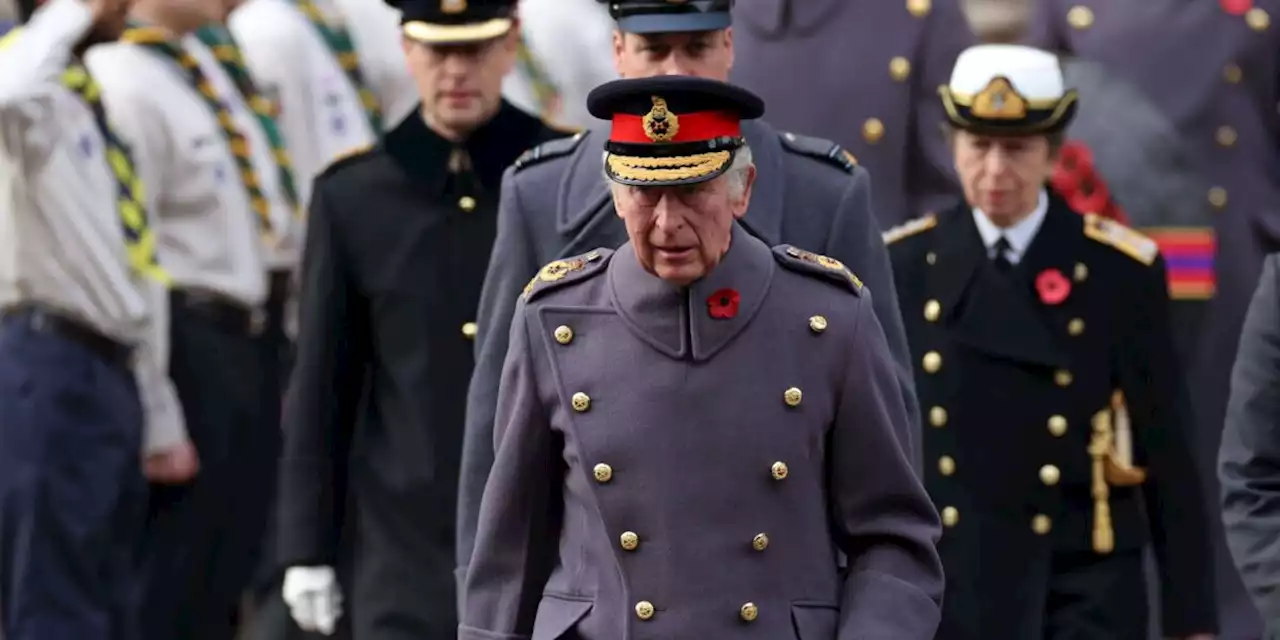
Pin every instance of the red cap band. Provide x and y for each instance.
(693, 127)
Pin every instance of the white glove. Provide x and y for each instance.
(314, 598)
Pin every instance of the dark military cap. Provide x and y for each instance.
(1005, 89)
(454, 21)
(669, 16)
(670, 130)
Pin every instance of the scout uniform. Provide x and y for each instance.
(396, 248)
(215, 188)
(882, 60)
(1057, 439)
(1221, 95)
(810, 193)
(565, 54)
(621, 395)
(83, 388)
(375, 32)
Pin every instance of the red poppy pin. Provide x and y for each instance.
(1236, 7)
(723, 304)
(1052, 286)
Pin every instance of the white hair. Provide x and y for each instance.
(736, 174)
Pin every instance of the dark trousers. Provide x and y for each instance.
(203, 539)
(1094, 597)
(72, 495)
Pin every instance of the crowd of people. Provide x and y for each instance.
(480, 319)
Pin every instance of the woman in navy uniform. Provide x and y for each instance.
(396, 247)
(693, 430)
(1057, 444)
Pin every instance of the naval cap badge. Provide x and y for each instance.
(999, 101)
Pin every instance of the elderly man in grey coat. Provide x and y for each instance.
(693, 430)
(1249, 459)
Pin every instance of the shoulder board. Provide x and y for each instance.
(1126, 240)
(821, 149)
(910, 228)
(345, 158)
(548, 150)
(562, 272)
(812, 263)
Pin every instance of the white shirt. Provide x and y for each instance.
(572, 40)
(375, 30)
(1019, 235)
(284, 250)
(321, 116)
(61, 237)
(208, 234)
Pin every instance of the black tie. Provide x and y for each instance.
(1001, 258)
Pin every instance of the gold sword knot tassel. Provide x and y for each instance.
(1104, 538)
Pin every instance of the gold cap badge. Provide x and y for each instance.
(660, 125)
(453, 6)
(999, 101)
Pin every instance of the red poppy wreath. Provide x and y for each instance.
(723, 304)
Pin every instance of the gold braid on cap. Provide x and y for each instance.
(676, 168)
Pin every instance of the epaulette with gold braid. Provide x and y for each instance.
(816, 264)
(1122, 238)
(558, 273)
(910, 228)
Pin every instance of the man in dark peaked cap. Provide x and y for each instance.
(396, 247)
(1058, 446)
(693, 429)
(555, 204)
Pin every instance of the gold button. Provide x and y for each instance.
(938, 417)
(644, 609)
(950, 516)
(1257, 19)
(931, 258)
(1075, 327)
(919, 8)
(581, 402)
(946, 465)
(1050, 475)
(1081, 272)
(932, 362)
(932, 309)
(602, 472)
(469, 330)
(1218, 197)
(760, 542)
(1226, 136)
(1057, 426)
(817, 324)
(899, 68)
(779, 471)
(1041, 524)
(872, 130)
(1232, 74)
(564, 335)
(1080, 17)
(792, 397)
(749, 611)
(629, 540)
(466, 203)
(1062, 378)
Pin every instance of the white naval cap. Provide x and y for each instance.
(1006, 89)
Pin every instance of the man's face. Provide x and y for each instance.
(705, 54)
(1002, 176)
(461, 84)
(680, 233)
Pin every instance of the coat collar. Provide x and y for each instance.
(677, 320)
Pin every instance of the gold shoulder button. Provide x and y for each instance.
(1122, 238)
(910, 228)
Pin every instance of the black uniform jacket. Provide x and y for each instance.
(398, 240)
(1009, 378)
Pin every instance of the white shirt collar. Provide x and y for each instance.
(1019, 235)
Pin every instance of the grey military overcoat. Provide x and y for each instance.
(556, 203)
(690, 462)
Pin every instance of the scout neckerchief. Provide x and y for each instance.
(158, 40)
(544, 90)
(339, 41)
(220, 41)
(139, 239)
